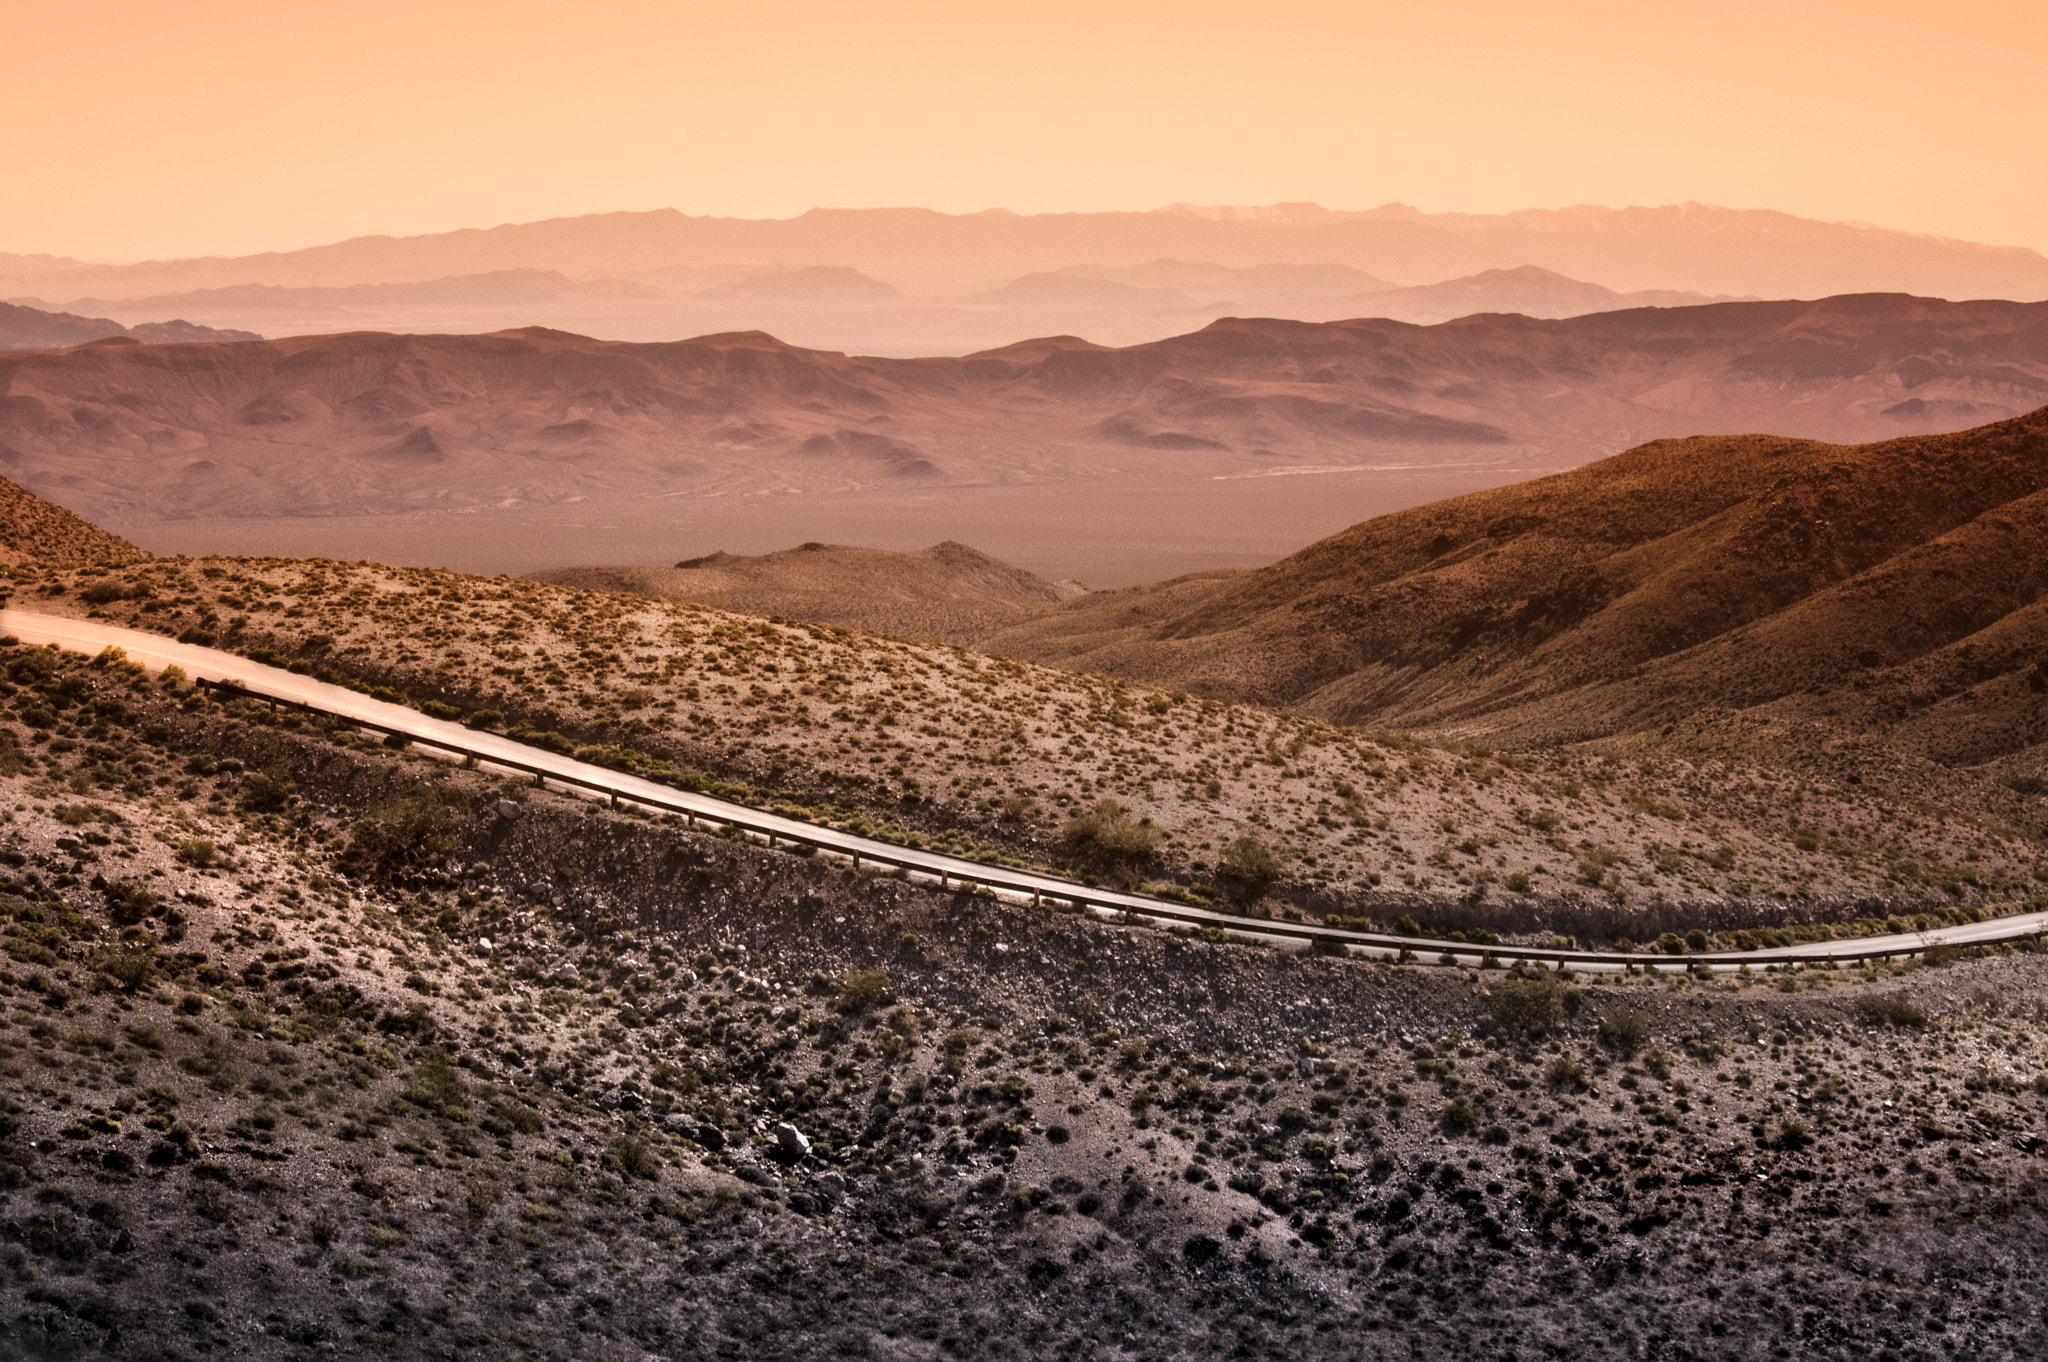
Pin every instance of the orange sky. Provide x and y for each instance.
(224, 126)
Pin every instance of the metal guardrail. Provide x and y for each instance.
(1082, 898)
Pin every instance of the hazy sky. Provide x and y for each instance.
(222, 126)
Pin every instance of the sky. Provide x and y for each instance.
(146, 130)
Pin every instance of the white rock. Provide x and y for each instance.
(791, 1140)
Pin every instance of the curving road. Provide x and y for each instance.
(273, 683)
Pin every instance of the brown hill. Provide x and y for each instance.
(1898, 589)
(29, 328)
(33, 530)
(370, 424)
(948, 591)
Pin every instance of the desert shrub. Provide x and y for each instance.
(635, 1157)
(485, 718)
(129, 902)
(1108, 832)
(1459, 1118)
(1794, 1135)
(1017, 808)
(397, 831)
(436, 1085)
(861, 989)
(523, 1119)
(1671, 943)
(132, 968)
(1624, 1029)
(1597, 861)
(1528, 1006)
(1564, 1072)
(439, 709)
(1249, 867)
(1893, 1009)
(196, 852)
(1706, 1047)
(268, 790)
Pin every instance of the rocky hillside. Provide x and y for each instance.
(1729, 822)
(315, 1048)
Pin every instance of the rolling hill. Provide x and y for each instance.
(948, 591)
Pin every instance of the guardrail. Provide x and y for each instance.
(971, 875)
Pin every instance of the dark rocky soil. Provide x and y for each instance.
(313, 1048)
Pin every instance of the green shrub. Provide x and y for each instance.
(132, 968)
(1564, 1072)
(1529, 1006)
(268, 790)
(635, 1157)
(1249, 867)
(129, 902)
(523, 1119)
(1624, 1029)
(440, 709)
(437, 1085)
(1893, 1009)
(1108, 832)
(397, 831)
(862, 989)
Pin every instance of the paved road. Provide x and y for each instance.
(211, 664)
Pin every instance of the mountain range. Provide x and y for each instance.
(381, 425)
(916, 282)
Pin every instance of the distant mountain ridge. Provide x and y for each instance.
(1687, 247)
(1527, 290)
(29, 328)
